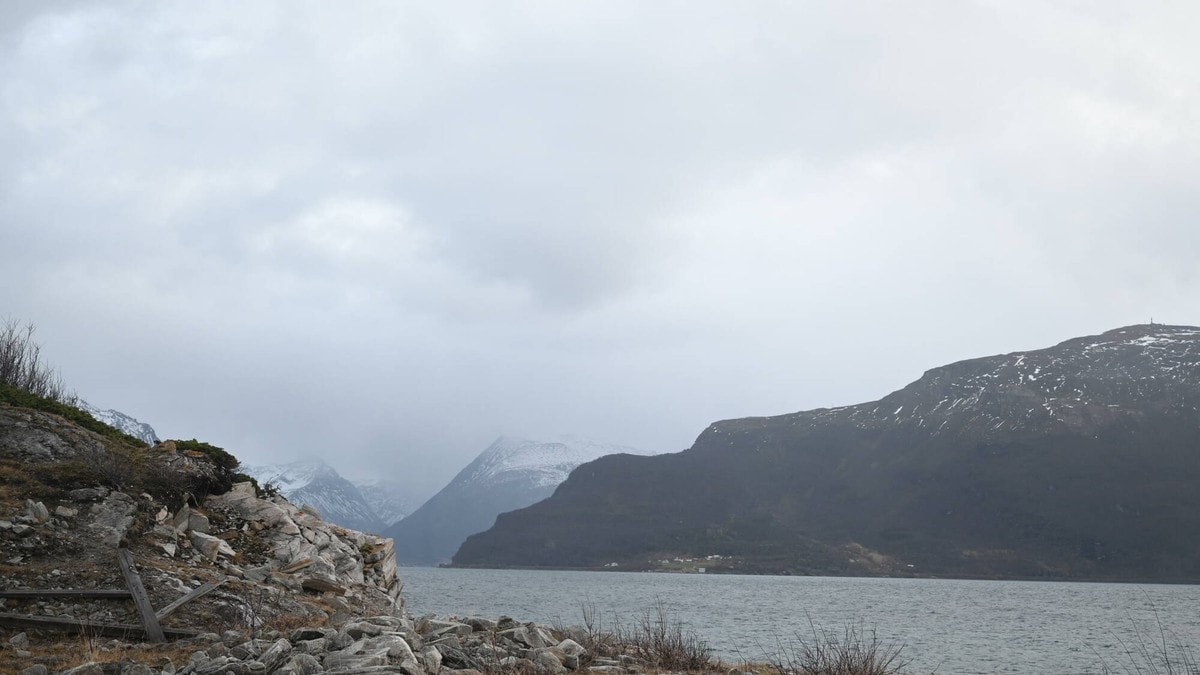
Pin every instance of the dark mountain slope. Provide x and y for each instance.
(1078, 461)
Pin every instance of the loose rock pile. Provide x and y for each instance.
(385, 644)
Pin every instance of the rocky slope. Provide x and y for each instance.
(1076, 461)
(320, 486)
(69, 497)
(509, 474)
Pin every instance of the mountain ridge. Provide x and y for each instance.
(1055, 462)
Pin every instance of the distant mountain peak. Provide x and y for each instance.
(313, 482)
(121, 422)
(546, 463)
(509, 474)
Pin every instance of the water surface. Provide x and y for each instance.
(944, 625)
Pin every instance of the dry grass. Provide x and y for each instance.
(62, 653)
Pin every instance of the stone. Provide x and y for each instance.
(85, 669)
(87, 494)
(65, 511)
(137, 669)
(162, 516)
(210, 547)
(39, 669)
(22, 530)
(277, 654)
(112, 517)
(547, 660)
(260, 573)
(571, 648)
(198, 522)
(182, 519)
(168, 549)
(349, 660)
(481, 624)
(19, 641)
(431, 659)
(314, 646)
(296, 566)
(395, 645)
(360, 629)
(37, 511)
(217, 666)
(435, 628)
(322, 584)
(524, 635)
(302, 664)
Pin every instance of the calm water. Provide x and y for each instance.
(946, 626)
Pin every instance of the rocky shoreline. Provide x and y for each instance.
(361, 646)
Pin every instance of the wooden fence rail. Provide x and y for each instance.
(151, 628)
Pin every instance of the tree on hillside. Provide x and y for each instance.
(21, 364)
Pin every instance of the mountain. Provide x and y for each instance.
(121, 422)
(389, 500)
(1076, 461)
(317, 484)
(509, 474)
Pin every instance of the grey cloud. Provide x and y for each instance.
(389, 233)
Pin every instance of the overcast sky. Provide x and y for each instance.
(386, 233)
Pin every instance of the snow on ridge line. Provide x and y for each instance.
(546, 461)
(287, 477)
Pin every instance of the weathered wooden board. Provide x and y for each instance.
(145, 610)
(114, 593)
(199, 591)
(62, 623)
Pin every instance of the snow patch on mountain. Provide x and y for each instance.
(543, 463)
(121, 422)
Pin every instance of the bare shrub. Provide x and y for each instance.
(21, 364)
(112, 469)
(1166, 654)
(597, 640)
(660, 641)
(856, 651)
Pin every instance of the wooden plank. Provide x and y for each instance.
(154, 631)
(199, 591)
(114, 593)
(67, 624)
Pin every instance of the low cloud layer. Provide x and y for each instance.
(387, 234)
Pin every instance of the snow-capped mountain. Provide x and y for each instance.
(121, 422)
(317, 484)
(388, 499)
(510, 474)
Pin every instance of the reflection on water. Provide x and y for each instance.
(947, 626)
